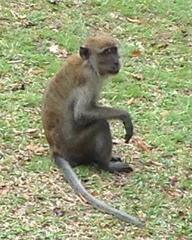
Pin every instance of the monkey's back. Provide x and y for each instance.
(56, 97)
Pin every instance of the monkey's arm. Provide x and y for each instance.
(86, 111)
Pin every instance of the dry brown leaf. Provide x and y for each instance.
(165, 45)
(136, 53)
(95, 194)
(175, 192)
(164, 113)
(15, 87)
(181, 213)
(82, 199)
(3, 189)
(31, 130)
(31, 147)
(158, 164)
(138, 76)
(173, 180)
(131, 101)
(64, 52)
(38, 71)
(38, 150)
(141, 144)
(57, 24)
(134, 20)
(1, 87)
(120, 183)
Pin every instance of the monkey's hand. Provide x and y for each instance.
(128, 128)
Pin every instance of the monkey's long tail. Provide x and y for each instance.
(74, 182)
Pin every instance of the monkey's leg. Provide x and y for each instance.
(83, 144)
(93, 143)
(103, 149)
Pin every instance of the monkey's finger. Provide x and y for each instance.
(127, 138)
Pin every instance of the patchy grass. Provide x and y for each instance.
(155, 85)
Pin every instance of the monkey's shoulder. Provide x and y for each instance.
(74, 69)
(70, 74)
(74, 62)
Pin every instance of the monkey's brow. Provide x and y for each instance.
(103, 49)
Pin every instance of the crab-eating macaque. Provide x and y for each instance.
(76, 127)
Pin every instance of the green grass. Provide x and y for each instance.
(33, 193)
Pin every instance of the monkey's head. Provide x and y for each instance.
(101, 53)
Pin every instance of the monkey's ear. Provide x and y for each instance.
(84, 52)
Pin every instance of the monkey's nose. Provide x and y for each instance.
(116, 64)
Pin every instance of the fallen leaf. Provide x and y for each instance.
(175, 192)
(95, 194)
(57, 24)
(173, 180)
(165, 45)
(3, 189)
(120, 183)
(1, 86)
(31, 147)
(131, 101)
(181, 213)
(138, 76)
(135, 53)
(17, 86)
(184, 33)
(158, 164)
(36, 149)
(82, 199)
(59, 212)
(141, 144)
(38, 71)
(63, 52)
(31, 130)
(164, 113)
(134, 20)
(54, 48)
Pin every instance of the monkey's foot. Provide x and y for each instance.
(116, 159)
(119, 167)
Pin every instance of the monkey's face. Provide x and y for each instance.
(104, 61)
(108, 61)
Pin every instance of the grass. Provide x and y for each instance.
(35, 201)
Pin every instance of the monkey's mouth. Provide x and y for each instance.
(115, 71)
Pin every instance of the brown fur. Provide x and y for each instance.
(100, 42)
(56, 94)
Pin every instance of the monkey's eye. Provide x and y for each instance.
(114, 50)
(110, 50)
(107, 51)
